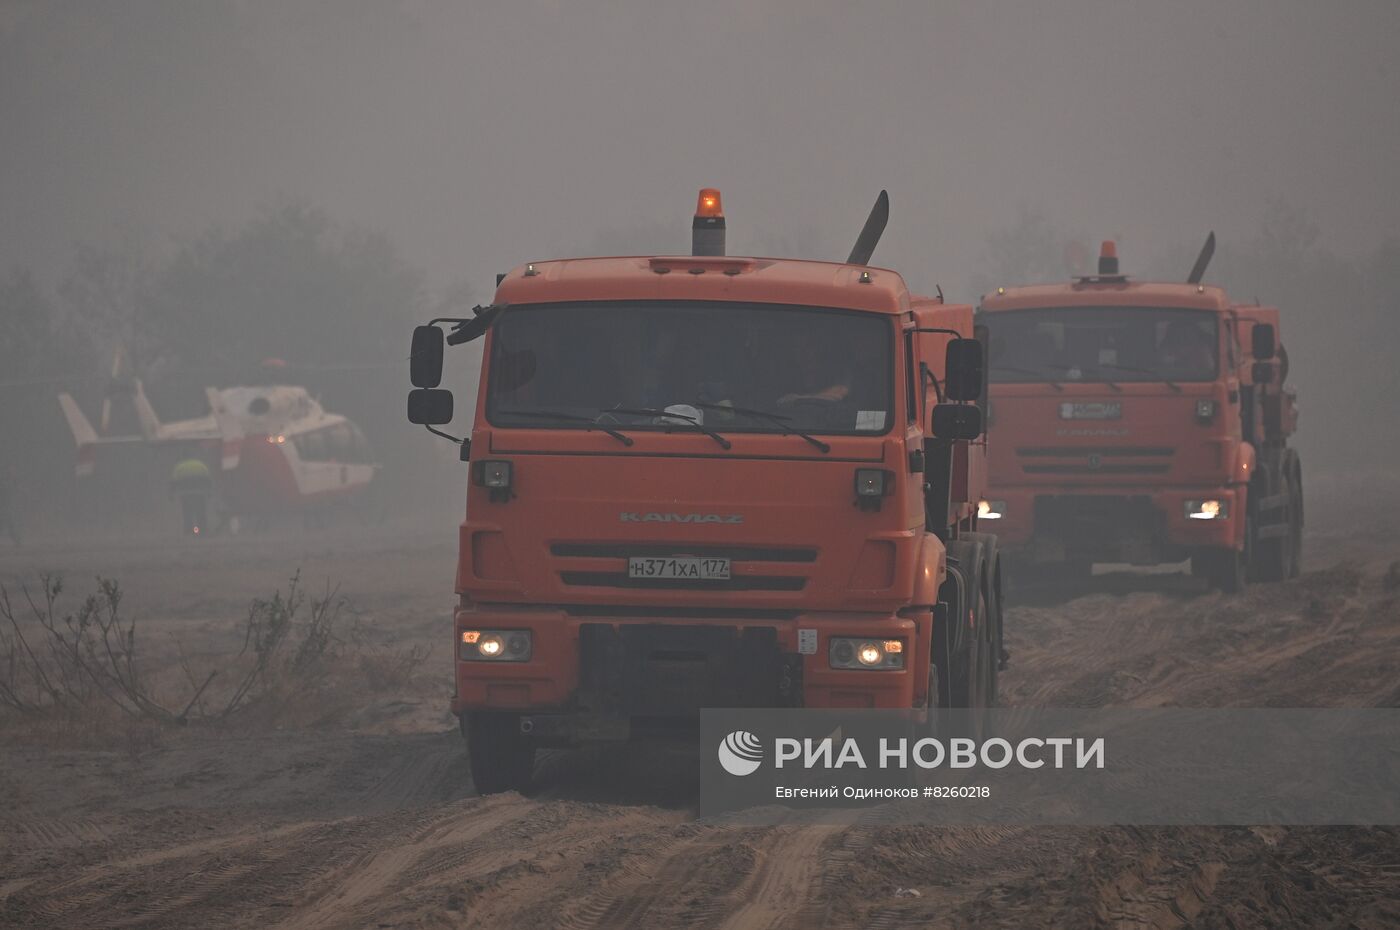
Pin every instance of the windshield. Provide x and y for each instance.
(731, 368)
(1103, 344)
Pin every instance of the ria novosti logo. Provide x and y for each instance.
(740, 753)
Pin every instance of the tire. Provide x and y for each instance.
(968, 674)
(975, 670)
(1228, 570)
(1223, 569)
(1296, 477)
(996, 601)
(1276, 557)
(975, 678)
(501, 758)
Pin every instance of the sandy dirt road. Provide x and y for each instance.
(370, 820)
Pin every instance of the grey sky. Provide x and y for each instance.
(480, 136)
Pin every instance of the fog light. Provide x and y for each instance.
(871, 482)
(861, 653)
(1205, 410)
(495, 646)
(1207, 510)
(990, 510)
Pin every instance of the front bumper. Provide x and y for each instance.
(1139, 525)
(597, 670)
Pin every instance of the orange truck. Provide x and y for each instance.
(712, 481)
(1141, 422)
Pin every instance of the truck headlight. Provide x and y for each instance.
(866, 653)
(872, 482)
(990, 510)
(495, 646)
(493, 473)
(1207, 510)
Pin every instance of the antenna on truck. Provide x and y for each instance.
(870, 234)
(1198, 270)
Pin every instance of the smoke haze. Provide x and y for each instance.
(476, 137)
(480, 136)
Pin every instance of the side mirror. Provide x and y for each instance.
(957, 421)
(430, 407)
(1262, 341)
(425, 358)
(1263, 373)
(963, 374)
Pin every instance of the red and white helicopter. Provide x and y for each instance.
(271, 449)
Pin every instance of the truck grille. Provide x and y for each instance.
(1095, 460)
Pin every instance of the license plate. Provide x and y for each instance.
(1106, 411)
(678, 567)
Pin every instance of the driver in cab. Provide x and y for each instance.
(1186, 348)
(817, 378)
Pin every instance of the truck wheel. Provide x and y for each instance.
(1296, 538)
(1276, 556)
(992, 651)
(996, 600)
(500, 756)
(975, 677)
(1221, 568)
(974, 671)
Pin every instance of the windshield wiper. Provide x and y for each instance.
(1143, 371)
(1029, 371)
(779, 421)
(684, 418)
(568, 418)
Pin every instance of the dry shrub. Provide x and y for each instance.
(387, 670)
(82, 671)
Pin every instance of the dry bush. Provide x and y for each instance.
(83, 669)
(68, 662)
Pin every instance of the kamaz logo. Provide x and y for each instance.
(628, 517)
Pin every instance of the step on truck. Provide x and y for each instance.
(1141, 422)
(712, 481)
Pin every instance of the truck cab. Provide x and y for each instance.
(1141, 422)
(707, 481)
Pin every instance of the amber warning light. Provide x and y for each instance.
(1108, 257)
(709, 203)
(707, 231)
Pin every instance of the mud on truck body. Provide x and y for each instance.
(1141, 422)
(712, 481)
